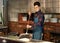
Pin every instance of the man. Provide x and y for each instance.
(38, 22)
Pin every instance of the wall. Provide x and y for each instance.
(1, 3)
(1, 11)
(15, 7)
(22, 6)
(5, 10)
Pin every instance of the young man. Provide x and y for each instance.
(38, 22)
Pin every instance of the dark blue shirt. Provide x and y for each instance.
(38, 20)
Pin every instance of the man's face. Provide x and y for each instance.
(36, 8)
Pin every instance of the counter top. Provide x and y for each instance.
(16, 39)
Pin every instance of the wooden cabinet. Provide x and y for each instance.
(52, 31)
(19, 26)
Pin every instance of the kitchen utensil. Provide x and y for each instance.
(25, 35)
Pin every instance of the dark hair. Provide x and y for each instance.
(37, 3)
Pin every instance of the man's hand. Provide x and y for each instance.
(29, 13)
(28, 26)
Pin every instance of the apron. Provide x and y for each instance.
(37, 31)
(37, 27)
